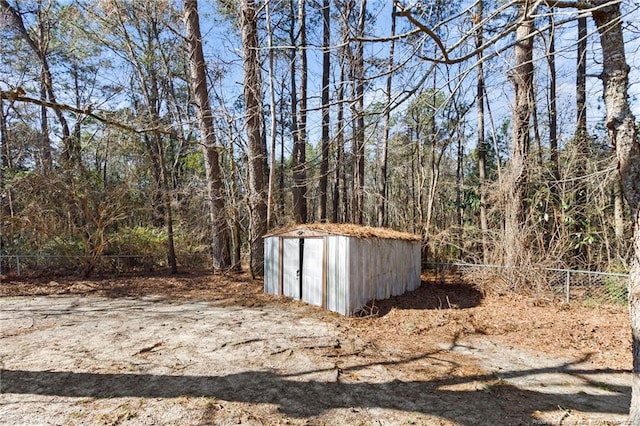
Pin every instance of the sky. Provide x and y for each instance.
(223, 52)
(222, 44)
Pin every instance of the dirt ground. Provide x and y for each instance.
(203, 349)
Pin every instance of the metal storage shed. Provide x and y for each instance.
(340, 267)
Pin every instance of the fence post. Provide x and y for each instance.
(18, 265)
(568, 285)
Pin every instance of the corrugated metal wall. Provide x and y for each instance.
(312, 271)
(291, 267)
(380, 268)
(337, 274)
(271, 263)
(416, 255)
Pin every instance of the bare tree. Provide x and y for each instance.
(518, 175)
(581, 142)
(482, 148)
(272, 113)
(384, 154)
(220, 250)
(340, 178)
(553, 101)
(326, 69)
(5, 151)
(359, 123)
(137, 27)
(621, 125)
(40, 48)
(257, 152)
(299, 111)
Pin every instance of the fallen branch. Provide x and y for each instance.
(368, 311)
(336, 345)
(238, 342)
(148, 349)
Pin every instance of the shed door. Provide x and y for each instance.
(291, 267)
(312, 270)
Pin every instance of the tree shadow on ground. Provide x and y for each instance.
(232, 288)
(434, 294)
(499, 401)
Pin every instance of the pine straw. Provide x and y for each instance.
(350, 230)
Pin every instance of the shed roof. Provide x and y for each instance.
(347, 229)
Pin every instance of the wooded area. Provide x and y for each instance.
(121, 136)
(150, 126)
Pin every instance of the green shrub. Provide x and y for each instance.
(138, 241)
(615, 290)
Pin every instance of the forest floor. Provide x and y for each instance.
(203, 349)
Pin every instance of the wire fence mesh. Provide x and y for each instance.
(566, 285)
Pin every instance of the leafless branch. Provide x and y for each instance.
(13, 96)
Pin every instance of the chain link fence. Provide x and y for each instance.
(587, 287)
(107, 264)
(566, 285)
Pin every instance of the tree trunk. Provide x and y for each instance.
(416, 168)
(153, 102)
(283, 129)
(168, 209)
(620, 123)
(5, 152)
(358, 138)
(537, 139)
(302, 113)
(6, 166)
(71, 147)
(45, 142)
(518, 175)
(299, 143)
(273, 127)
(553, 109)
(581, 83)
(236, 242)
(552, 114)
(326, 58)
(618, 215)
(256, 150)
(77, 126)
(220, 250)
(482, 148)
(340, 185)
(581, 143)
(384, 154)
(45, 82)
(460, 188)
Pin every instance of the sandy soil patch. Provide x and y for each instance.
(202, 349)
